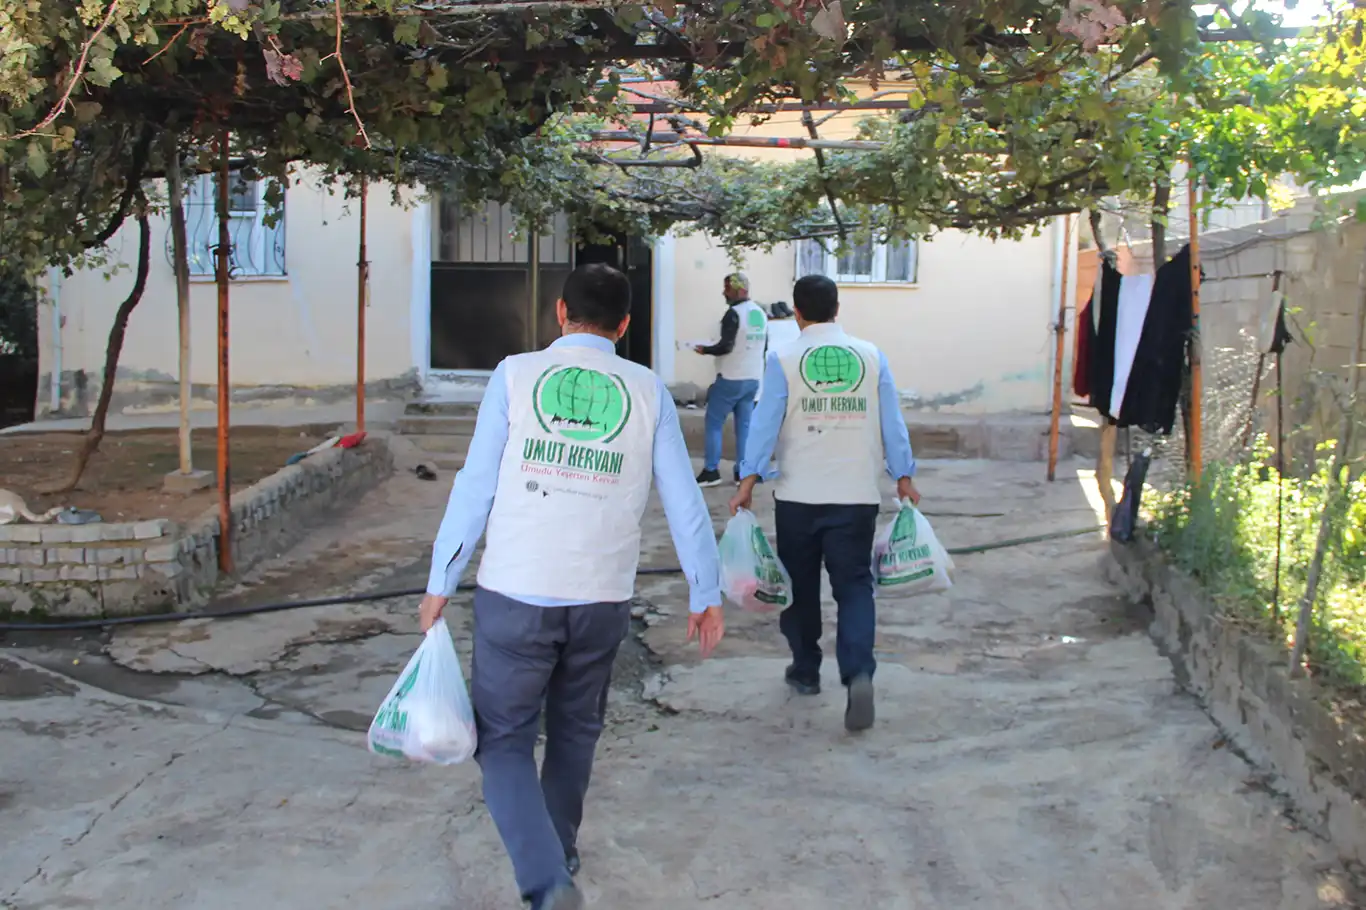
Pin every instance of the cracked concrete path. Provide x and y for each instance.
(1033, 749)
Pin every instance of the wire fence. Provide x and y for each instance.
(1276, 525)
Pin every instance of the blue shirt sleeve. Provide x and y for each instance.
(896, 439)
(767, 421)
(685, 509)
(467, 510)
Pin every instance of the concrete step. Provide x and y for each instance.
(448, 427)
(435, 443)
(423, 408)
(440, 425)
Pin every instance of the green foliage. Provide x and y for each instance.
(1020, 109)
(18, 317)
(1223, 532)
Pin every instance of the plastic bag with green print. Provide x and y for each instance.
(427, 715)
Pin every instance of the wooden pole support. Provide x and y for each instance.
(1196, 441)
(225, 562)
(1059, 330)
(362, 287)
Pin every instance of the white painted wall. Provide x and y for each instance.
(972, 336)
(298, 330)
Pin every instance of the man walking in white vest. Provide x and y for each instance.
(832, 416)
(559, 469)
(739, 357)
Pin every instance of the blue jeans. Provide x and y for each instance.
(726, 397)
(841, 536)
(527, 659)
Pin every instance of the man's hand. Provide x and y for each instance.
(430, 611)
(905, 489)
(744, 497)
(707, 628)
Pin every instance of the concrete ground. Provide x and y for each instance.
(1032, 751)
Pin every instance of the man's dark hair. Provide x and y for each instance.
(816, 298)
(597, 296)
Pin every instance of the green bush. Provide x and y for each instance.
(1223, 531)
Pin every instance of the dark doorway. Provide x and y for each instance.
(494, 292)
(18, 349)
(635, 257)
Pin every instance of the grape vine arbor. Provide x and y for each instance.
(1012, 112)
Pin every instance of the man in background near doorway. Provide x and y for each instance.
(739, 365)
(832, 414)
(782, 328)
(566, 444)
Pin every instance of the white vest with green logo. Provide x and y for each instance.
(575, 476)
(830, 447)
(746, 359)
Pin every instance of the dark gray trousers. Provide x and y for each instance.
(526, 657)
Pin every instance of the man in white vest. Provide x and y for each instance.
(739, 357)
(559, 469)
(831, 415)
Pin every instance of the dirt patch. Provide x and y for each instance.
(123, 481)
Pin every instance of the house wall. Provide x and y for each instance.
(290, 337)
(972, 336)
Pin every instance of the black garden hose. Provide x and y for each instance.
(255, 609)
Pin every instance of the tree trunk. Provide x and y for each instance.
(111, 358)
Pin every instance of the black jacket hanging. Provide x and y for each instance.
(1103, 347)
(1161, 363)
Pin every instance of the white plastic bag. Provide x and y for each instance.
(908, 556)
(752, 576)
(427, 715)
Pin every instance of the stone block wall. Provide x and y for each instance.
(1287, 726)
(87, 570)
(156, 566)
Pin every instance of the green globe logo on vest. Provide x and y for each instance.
(834, 373)
(582, 406)
(832, 370)
(756, 325)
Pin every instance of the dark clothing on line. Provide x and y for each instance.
(1103, 351)
(526, 658)
(1081, 355)
(841, 536)
(1161, 362)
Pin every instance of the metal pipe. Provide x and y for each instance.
(225, 562)
(758, 142)
(1197, 458)
(1060, 330)
(362, 286)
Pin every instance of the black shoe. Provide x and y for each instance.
(709, 479)
(572, 863)
(802, 685)
(859, 713)
(561, 897)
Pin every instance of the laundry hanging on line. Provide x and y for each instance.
(1138, 353)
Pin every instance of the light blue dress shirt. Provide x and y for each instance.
(767, 423)
(467, 511)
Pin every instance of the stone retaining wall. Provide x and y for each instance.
(155, 566)
(1285, 725)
